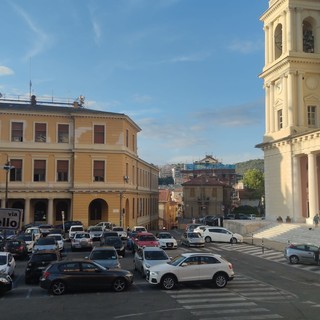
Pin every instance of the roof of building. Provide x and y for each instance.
(204, 181)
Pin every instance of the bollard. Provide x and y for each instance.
(252, 239)
(262, 246)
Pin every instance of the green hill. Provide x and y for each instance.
(242, 167)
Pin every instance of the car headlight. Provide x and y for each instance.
(147, 265)
(2, 271)
(5, 280)
(154, 273)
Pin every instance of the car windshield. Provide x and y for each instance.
(147, 238)
(117, 229)
(164, 236)
(103, 255)
(42, 241)
(95, 229)
(82, 235)
(113, 240)
(155, 255)
(3, 260)
(194, 235)
(44, 257)
(56, 237)
(177, 260)
(77, 229)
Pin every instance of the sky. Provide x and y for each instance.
(185, 71)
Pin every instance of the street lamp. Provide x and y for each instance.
(121, 213)
(7, 167)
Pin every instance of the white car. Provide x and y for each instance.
(139, 229)
(191, 267)
(146, 257)
(218, 234)
(95, 232)
(74, 229)
(34, 232)
(7, 263)
(45, 243)
(58, 237)
(121, 232)
(81, 240)
(166, 240)
(105, 225)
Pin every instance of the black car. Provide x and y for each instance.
(82, 274)
(107, 234)
(5, 283)
(67, 225)
(38, 262)
(17, 247)
(117, 243)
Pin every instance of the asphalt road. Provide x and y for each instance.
(265, 287)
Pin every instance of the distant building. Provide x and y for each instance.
(205, 195)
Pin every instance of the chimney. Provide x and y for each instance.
(33, 101)
(75, 104)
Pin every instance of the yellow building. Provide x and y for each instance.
(66, 160)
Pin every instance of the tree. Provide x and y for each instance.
(253, 179)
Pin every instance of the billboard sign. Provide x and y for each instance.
(10, 218)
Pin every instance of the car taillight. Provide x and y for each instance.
(230, 266)
(46, 275)
(21, 248)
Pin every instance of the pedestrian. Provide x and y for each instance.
(316, 220)
(193, 220)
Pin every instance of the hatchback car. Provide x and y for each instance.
(301, 253)
(59, 239)
(192, 239)
(18, 248)
(219, 234)
(144, 258)
(192, 267)
(95, 232)
(145, 239)
(166, 240)
(7, 263)
(81, 240)
(63, 276)
(106, 256)
(74, 229)
(117, 243)
(47, 243)
(38, 262)
(6, 283)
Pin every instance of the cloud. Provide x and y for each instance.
(246, 47)
(41, 40)
(234, 116)
(96, 31)
(195, 57)
(5, 71)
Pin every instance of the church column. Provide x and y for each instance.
(300, 103)
(271, 108)
(270, 43)
(299, 30)
(285, 33)
(312, 186)
(290, 99)
(296, 189)
(50, 211)
(266, 47)
(267, 107)
(27, 213)
(289, 35)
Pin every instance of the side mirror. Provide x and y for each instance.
(183, 264)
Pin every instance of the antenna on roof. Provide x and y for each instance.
(30, 83)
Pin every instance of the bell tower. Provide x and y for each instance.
(291, 76)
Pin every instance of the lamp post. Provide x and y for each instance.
(121, 196)
(7, 167)
(62, 216)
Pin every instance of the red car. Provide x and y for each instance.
(145, 239)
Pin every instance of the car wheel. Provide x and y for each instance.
(58, 288)
(220, 280)
(294, 260)
(119, 285)
(207, 239)
(233, 240)
(168, 282)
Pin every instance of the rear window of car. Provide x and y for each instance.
(44, 257)
(103, 255)
(147, 238)
(113, 240)
(76, 228)
(47, 240)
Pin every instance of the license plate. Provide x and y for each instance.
(169, 244)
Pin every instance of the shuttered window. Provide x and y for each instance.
(98, 170)
(39, 170)
(17, 131)
(98, 134)
(40, 132)
(62, 170)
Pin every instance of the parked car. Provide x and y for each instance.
(45, 229)
(81, 240)
(95, 232)
(192, 239)
(117, 243)
(145, 239)
(105, 225)
(191, 267)
(241, 216)
(166, 240)
(34, 232)
(74, 229)
(17, 247)
(302, 253)
(6, 283)
(191, 226)
(67, 225)
(144, 258)
(7, 263)
(131, 236)
(106, 256)
(107, 234)
(59, 239)
(8, 234)
(28, 239)
(83, 275)
(121, 232)
(139, 229)
(219, 234)
(38, 262)
(47, 243)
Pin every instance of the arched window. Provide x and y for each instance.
(278, 41)
(308, 37)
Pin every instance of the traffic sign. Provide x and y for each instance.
(10, 218)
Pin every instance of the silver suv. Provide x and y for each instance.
(106, 256)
